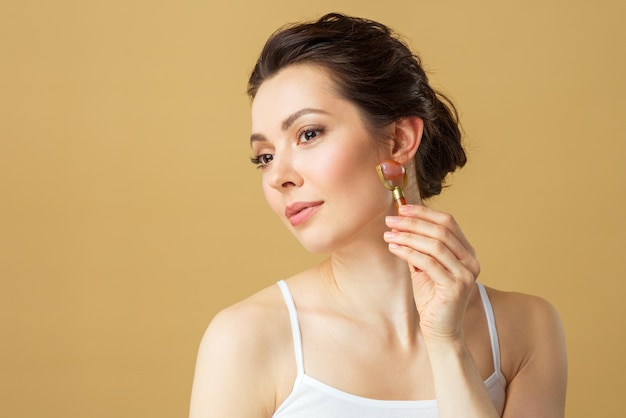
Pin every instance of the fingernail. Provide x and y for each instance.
(392, 219)
(390, 235)
(404, 210)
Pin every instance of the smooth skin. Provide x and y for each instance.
(397, 288)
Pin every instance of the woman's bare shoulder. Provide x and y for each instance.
(238, 356)
(517, 299)
(255, 320)
(529, 329)
(260, 321)
(514, 308)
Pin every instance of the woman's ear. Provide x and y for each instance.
(407, 136)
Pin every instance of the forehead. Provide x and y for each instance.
(292, 89)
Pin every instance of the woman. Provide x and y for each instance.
(393, 323)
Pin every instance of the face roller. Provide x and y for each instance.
(394, 178)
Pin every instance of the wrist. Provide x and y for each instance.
(445, 344)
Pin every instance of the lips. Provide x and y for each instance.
(300, 212)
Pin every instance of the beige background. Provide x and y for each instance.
(129, 214)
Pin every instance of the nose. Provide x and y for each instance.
(282, 173)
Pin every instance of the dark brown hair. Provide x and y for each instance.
(377, 72)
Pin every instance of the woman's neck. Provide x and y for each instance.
(374, 285)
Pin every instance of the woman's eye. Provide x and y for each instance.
(262, 160)
(308, 135)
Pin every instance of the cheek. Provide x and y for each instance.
(342, 165)
(354, 174)
(273, 199)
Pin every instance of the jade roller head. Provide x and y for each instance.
(394, 178)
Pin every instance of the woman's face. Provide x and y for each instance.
(318, 161)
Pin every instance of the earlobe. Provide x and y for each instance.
(407, 138)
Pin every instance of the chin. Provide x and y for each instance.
(325, 242)
(316, 244)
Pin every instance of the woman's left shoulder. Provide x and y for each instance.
(530, 330)
(521, 307)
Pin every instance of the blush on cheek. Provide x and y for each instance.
(273, 199)
(337, 168)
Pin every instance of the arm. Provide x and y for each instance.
(534, 361)
(443, 269)
(537, 366)
(459, 388)
(230, 378)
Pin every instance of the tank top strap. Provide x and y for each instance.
(295, 326)
(491, 323)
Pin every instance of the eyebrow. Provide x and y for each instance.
(286, 124)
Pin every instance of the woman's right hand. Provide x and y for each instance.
(443, 267)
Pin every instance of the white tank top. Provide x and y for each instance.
(311, 398)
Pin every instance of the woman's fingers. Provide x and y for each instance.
(424, 252)
(424, 263)
(444, 263)
(433, 233)
(442, 219)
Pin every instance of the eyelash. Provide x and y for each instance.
(318, 130)
(260, 160)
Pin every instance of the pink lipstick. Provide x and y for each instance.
(300, 212)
